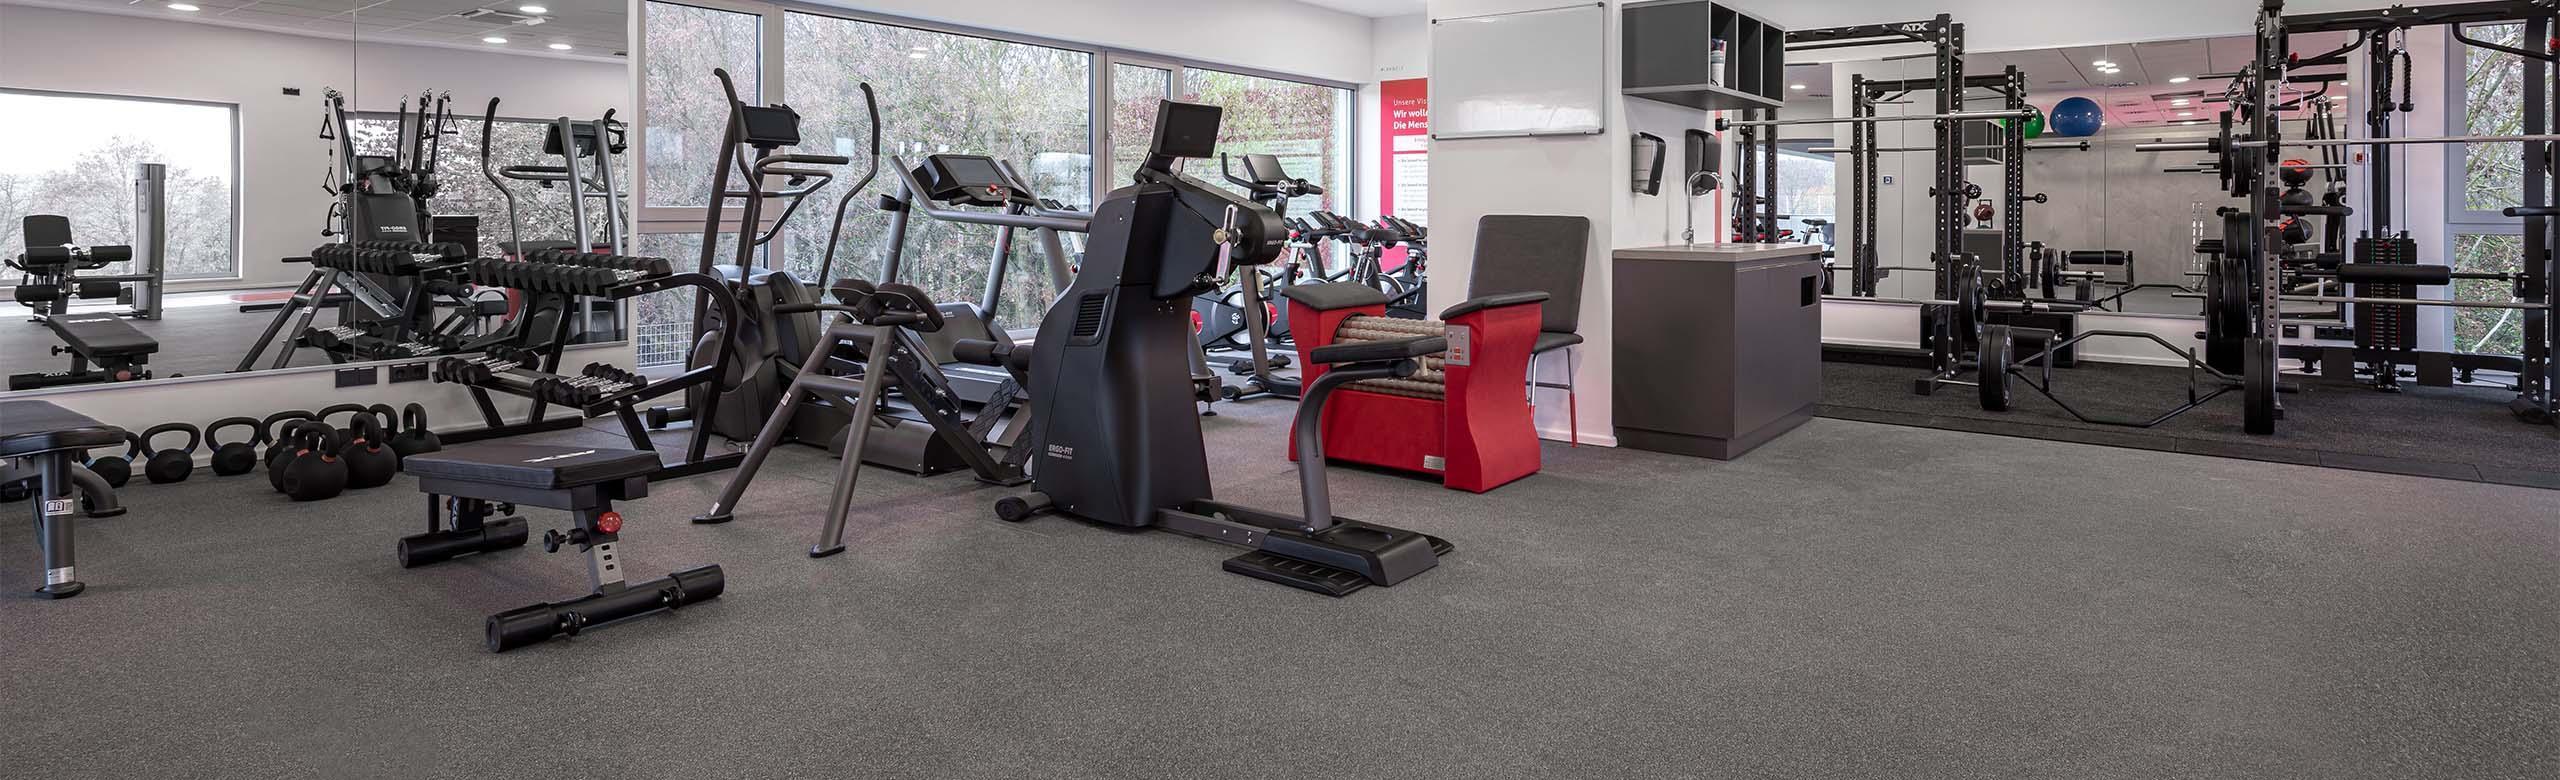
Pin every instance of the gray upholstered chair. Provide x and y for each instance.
(1528, 252)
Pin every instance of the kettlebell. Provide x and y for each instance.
(346, 432)
(370, 463)
(288, 441)
(115, 469)
(275, 428)
(315, 472)
(170, 465)
(232, 459)
(414, 438)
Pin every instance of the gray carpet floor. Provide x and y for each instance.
(1853, 600)
(2445, 432)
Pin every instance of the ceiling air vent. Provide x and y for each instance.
(497, 18)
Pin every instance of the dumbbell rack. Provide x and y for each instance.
(392, 286)
(523, 359)
(433, 270)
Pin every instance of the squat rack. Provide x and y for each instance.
(2384, 311)
(1757, 181)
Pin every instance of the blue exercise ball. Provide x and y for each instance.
(2077, 117)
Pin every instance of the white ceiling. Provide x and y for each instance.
(1376, 9)
(594, 28)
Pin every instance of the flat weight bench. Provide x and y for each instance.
(472, 482)
(115, 347)
(38, 444)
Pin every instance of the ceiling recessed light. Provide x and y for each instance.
(1795, 86)
(2103, 64)
(561, 47)
(533, 9)
(182, 7)
(915, 55)
(2186, 113)
(2179, 79)
(2178, 102)
(493, 39)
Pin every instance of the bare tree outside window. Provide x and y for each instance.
(687, 114)
(2493, 179)
(1307, 126)
(461, 189)
(75, 156)
(939, 92)
(1135, 91)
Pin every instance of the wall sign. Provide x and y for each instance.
(1404, 154)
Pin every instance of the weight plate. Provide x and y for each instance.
(1992, 376)
(1968, 308)
(2258, 387)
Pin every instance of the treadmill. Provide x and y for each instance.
(977, 190)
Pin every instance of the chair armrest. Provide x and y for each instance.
(1474, 305)
(1372, 351)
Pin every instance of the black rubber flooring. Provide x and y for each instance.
(2463, 433)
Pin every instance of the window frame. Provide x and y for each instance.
(2460, 218)
(770, 56)
(238, 169)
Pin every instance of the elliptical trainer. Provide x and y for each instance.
(1117, 442)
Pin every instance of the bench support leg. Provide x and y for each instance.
(54, 519)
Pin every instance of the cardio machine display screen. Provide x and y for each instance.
(971, 170)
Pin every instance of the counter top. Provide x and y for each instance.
(1717, 253)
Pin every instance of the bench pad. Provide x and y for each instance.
(101, 335)
(538, 466)
(32, 427)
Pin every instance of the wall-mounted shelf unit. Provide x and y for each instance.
(1670, 49)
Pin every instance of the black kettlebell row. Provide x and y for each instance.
(308, 460)
(396, 433)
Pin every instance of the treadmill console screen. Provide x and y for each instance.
(969, 179)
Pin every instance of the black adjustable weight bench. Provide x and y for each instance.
(472, 482)
(39, 444)
(113, 346)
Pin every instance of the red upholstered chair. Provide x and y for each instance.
(1462, 417)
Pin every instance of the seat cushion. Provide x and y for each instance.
(540, 466)
(31, 427)
(1331, 296)
(1550, 341)
(101, 335)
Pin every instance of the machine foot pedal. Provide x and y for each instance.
(1295, 573)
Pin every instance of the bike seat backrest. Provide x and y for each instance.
(906, 306)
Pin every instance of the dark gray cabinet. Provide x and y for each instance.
(1718, 347)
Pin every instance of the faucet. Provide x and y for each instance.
(1689, 203)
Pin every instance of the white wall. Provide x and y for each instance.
(1582, 175)
(1274, 35)
(281, 157)
(1399, 48)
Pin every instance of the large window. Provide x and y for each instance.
(1307, 126)
(938, 92)
(1072, 127)
(687, 113)
(2489, 88)
(75, 156)
(542, 213)
(1807, 186)
(1135, 91)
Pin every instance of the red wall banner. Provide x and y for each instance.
(1404, 153)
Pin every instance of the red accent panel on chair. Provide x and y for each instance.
(1483, 430)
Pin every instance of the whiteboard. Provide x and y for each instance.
(1541, 72)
